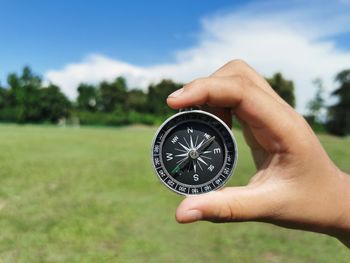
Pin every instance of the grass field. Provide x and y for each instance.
(90, 195)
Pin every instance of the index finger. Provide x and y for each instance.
(270, 121)
(239, 67)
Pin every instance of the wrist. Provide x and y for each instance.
(341, 227)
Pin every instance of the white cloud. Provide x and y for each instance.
(93, 69)
(297, 42)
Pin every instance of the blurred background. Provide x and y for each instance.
(83, 86)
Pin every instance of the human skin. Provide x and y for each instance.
(296, 185)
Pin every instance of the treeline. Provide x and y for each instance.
(113, 103)
(26, 99)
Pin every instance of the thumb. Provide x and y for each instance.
(229, 204)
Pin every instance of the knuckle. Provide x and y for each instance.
(242, 83)
(240, 79)
(239, 63)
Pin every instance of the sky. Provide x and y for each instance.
(69, 42)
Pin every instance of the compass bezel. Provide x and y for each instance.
(230, 155)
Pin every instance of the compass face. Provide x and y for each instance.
(194, 152)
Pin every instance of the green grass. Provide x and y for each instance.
(90, 195)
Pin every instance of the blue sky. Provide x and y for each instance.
(49, 34)
(68, 42)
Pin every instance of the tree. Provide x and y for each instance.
(7, 111)
(137, 100)
(339, 113)
(112, 96)
(87, 97)
(54, 104)
(24, 95)
(26, 100)
(157, 95)
(3, 96)
(316, 105)
(283, 87)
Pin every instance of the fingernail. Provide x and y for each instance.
(193, 215)
(176, 93)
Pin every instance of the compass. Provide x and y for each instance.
(194, 152)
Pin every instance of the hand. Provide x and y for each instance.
(296, 184)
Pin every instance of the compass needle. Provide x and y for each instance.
(180, 161)
(200, 144)
(205, 144)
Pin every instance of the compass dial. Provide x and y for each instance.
(194, 152)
